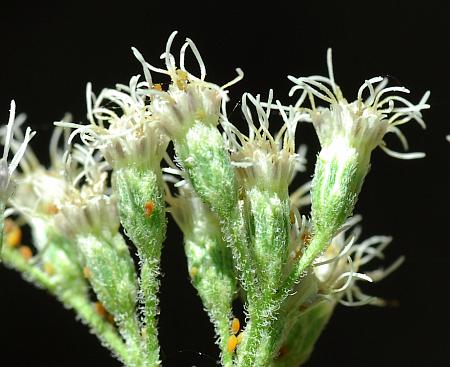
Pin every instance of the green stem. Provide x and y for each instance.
(215, 282)
(149, 289)
(142, 214)
(234, 225)
(104, 331)
(130, 330)
(14, 259)
(114, 281)
(255, 351)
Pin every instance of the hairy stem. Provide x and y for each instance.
(80, 303)
(142, 214)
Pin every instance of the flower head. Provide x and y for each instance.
(262, 159)
(348, 133)
(361, 124)
(86, 207)
(338, 269)
(121, 126)
(189, 98)
(6, 170)
(74, 177)
(40, 189)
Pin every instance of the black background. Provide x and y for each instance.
(50, 51)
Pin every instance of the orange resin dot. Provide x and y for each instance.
(49, 269)
(110, 318)
(235, 325)
(14, 236)
(100, 309)
(232, 343)
(26, 252)
(193, 272)
(51, 209)
(148, 208)
(281, 352)
(303, 307)
(240, 337)
(157, 87)
(86, 272)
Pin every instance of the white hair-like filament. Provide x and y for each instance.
(380, 103)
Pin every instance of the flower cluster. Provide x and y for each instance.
(247, 233)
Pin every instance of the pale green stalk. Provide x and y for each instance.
(113, 278)
(79, 302)
(210, 263)
(269, 218)
(142, 214)
(215, 286)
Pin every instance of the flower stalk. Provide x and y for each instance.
(210, 263)
(142, 213)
